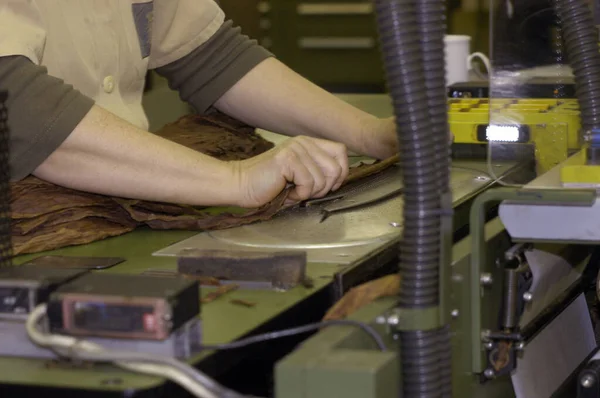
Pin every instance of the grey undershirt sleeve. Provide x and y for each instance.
(42, 112)
(208, 72)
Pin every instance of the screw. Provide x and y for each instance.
(454, 313)
(588, 381)
(520, 346)
(393, 320)
(486, 279)
(527, 296)
(489, 345)
(489, 373)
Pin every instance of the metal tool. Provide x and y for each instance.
(319, 201)
(360, 200)
(386, 185)
(281, 270)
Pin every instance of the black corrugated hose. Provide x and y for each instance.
(411, 45)
(431, 15)
(421, 122)
(581, 42)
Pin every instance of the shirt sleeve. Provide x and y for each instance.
(42, 112)
(21, 30)
(180, 26)
(209, 71)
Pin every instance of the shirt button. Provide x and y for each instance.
(108, 84)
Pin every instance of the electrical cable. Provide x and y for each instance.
(197, 383)
(179, 372)
(299, 330)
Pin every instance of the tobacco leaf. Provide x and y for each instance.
(47, 216)
(362, 295)
(220, 291)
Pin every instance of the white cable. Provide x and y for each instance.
(86, 350)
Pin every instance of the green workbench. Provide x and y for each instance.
(222, 321)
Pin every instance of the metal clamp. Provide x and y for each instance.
(404, 319)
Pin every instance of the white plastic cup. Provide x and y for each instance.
(459, 59)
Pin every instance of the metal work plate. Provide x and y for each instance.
(343, 237)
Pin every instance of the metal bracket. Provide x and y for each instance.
(570, 197)
(501, 352)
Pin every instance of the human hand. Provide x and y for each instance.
(381, 139)
(314, 167)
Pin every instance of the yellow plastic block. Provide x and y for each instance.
(580, 175)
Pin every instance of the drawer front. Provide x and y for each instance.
(339, 8)
(328, 42)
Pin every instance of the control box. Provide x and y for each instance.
(23, 288)
(123, 306)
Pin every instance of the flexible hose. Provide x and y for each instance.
(424, 175)
(445, 349)
(432, 23)
(403, 60)
(431, 15)
(420, 364)
(581, 42)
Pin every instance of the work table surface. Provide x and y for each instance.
(222, 320)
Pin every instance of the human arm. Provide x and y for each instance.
(273, 97)
(107, 155)
(240, 78)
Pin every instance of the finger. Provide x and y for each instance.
(315, 161)
(338, 152)
(295, 172)
(330, 167)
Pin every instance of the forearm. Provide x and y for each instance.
(107, 155)
(273, 97)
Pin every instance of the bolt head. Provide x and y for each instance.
(588, 381)
(520, 346)
(527, 296)
(380, 320)
(489, 373)
(488, 345)
(393, 320)
(455, 313)
(486, 279)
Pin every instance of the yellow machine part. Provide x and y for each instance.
(578, 174)
(553, 124)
